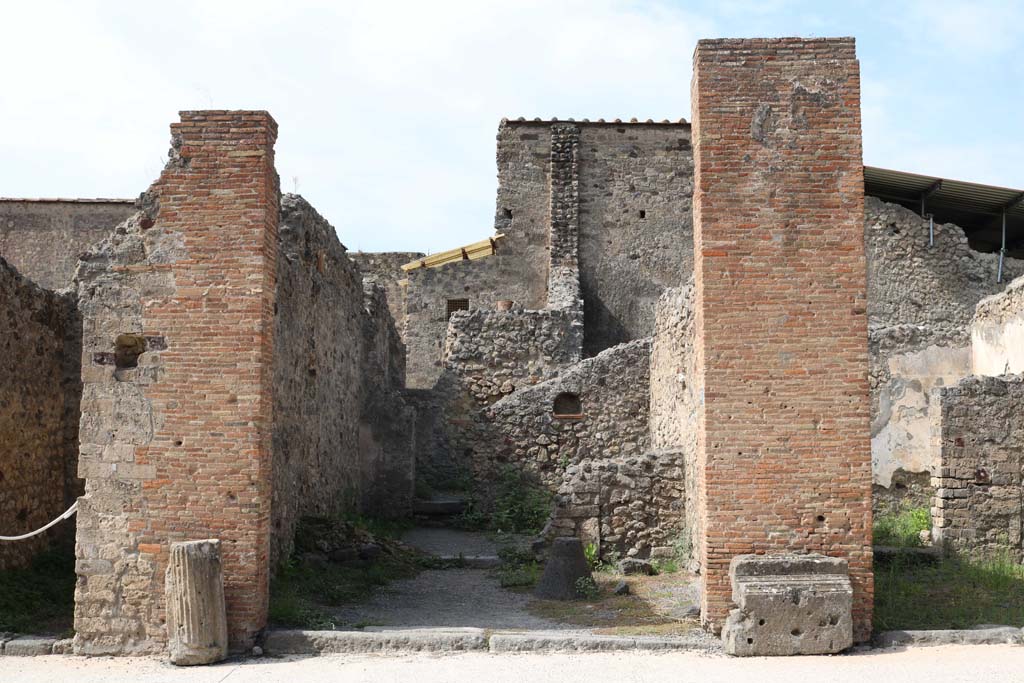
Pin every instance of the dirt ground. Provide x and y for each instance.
(949, 664)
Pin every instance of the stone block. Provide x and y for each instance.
(789, 605)
(566, 565)
(28, 646)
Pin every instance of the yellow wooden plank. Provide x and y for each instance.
(470, 252)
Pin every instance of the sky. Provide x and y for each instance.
(388, 111)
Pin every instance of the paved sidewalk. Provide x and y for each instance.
(947, 664)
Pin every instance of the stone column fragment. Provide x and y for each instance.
(197, 623)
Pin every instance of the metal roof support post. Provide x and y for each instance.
(1002, 251)
(931, 230)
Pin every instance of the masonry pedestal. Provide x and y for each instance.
(789, 605)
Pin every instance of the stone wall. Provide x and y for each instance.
(612, 390)
(482, 282)
(176, 431)
(628, 506)
(40, 351)
(997, 330)
(43, 238)
(921, 300)
(385, 268)
(675, 403)
(634, 221)
(616, 198)
(338, 370)
(493, 353)
(979, 432)
(784, 460)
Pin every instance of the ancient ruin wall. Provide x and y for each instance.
(781, 311)
(636, 229)
(979, 432)
(178, 325)
(40, 351)
(338, 366)
(495, 352)
(43, 238)
(628, 506)
(385, 268)
(612, 390)
(482, 283)
(997, 332)
(921, 299)
(675, 404)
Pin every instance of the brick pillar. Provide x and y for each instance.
(176, 442)
(784, 458)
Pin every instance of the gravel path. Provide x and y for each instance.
(948, 664)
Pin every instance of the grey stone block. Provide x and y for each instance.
(565, 566)
(997, 635)
(397, 640)
(789, 605)
(544, 641)
(28, 646)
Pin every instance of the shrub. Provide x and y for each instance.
(902, 529)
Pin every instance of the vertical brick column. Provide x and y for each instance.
(784, 460)
(563, 272)
(176, 442)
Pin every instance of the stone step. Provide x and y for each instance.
(439, 506)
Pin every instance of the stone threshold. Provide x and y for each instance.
(454, 640)
(988, 635)
(33, 646)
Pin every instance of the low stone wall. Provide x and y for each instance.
(493, 353)
(628, 506)
(979, 432)
(342, 434)
(40, 355)
(612, 391)
(997, 332)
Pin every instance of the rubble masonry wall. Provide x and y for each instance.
(338, 369)
(40, 388)
(979, 432)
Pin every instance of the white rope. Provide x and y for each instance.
(70, 511)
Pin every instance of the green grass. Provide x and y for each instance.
(902, 529)
(955, 593)
(40, 598)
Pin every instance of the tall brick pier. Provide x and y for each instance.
(784, 458)
(176, 411)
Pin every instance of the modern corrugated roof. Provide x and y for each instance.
(975, 207)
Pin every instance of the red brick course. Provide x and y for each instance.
(784, 454)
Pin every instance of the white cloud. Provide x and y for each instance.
(387, 110)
